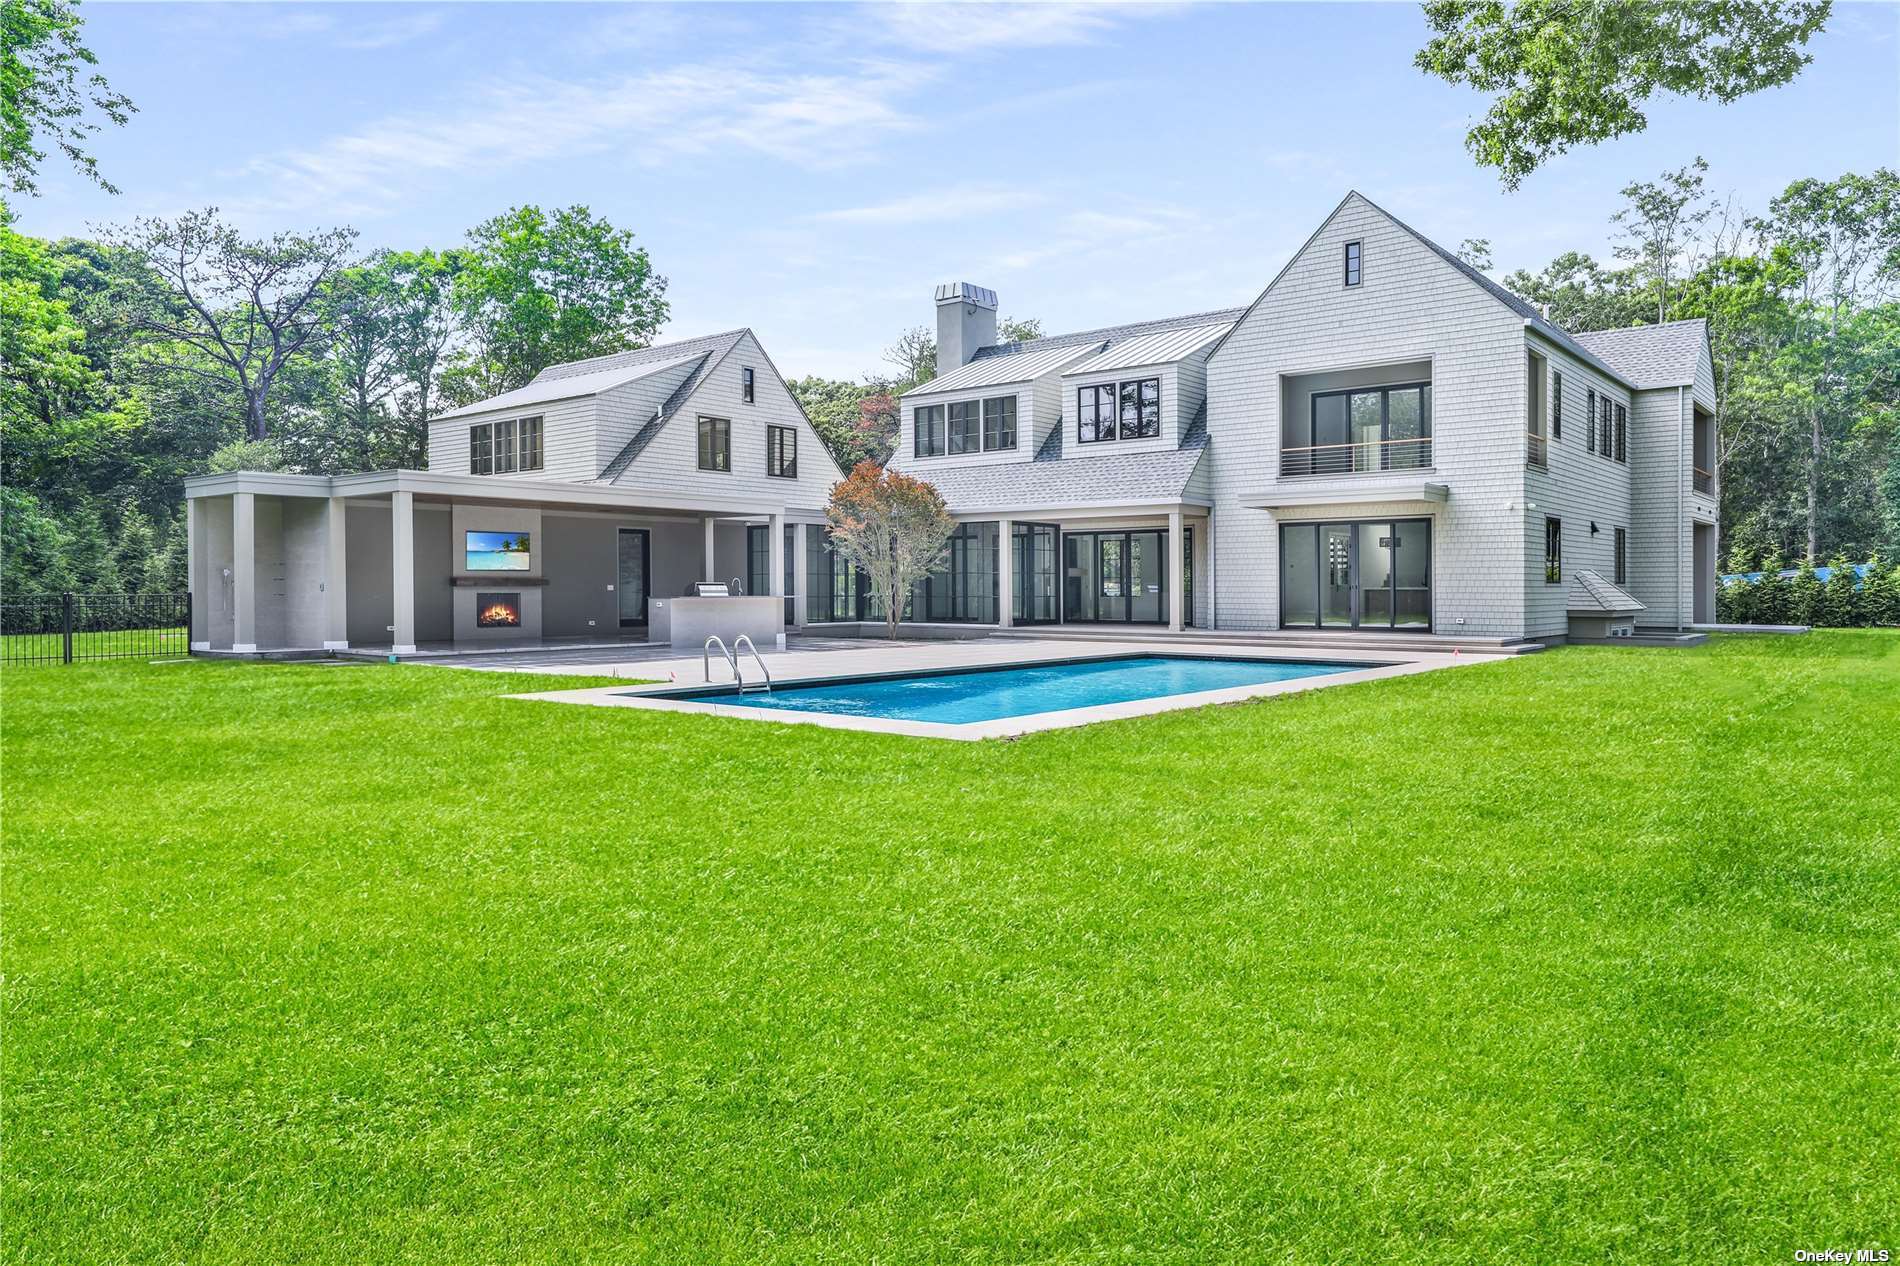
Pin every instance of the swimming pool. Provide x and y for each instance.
(994, 694)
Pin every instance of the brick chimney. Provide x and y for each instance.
(966, 320)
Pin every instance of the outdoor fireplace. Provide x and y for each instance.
(497, 610)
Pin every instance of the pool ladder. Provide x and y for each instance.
(740, 643)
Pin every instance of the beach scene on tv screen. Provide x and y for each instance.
(498, 551)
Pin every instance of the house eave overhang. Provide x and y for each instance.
(435, 485)
(1082, 510)
(1373, 492)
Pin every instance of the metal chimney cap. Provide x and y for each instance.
(964, 292)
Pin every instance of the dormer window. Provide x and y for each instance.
(1355, 257)
(504, 448)
(745, 384)
(966, 427)
(1128, 410)
(927, 431)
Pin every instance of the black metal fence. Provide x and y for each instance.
(72, 626)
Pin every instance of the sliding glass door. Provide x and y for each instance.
(1034, 577)
(1356, 575)
(1115, 577)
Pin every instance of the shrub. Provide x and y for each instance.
(1773, 599)
(1804, 595)
(1838, 606)
(1880, 594)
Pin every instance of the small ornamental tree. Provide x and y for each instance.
(893, 528)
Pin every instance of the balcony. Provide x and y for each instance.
(1704, 481)
(1366, 457)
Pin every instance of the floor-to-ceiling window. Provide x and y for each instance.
(834, 589)
(1357, 575)
(963, 591)
(1035, 579)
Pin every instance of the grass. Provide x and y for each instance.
(1585, 956)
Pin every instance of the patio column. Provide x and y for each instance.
(1175, 569)
(195, 568)
(1005, 576)
(402, 539)
(336, 609)
(775, 555)
(244, 572)
(800, 574)
(706, 571)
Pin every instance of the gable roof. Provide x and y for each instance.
(1533, 318)
(710, 349)
(1156, 475)
(1590, 594)
(1665, 355)
(1161, 348)
(570, 386)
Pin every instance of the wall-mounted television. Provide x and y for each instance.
(497, 551)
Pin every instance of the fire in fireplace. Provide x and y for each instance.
(497, 610)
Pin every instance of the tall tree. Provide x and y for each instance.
(1659, 224)
(1845, 237)
(1581, 294)
(242, 307)
(424, 325)
(1576, 72)
(47, 89)
(536, 289)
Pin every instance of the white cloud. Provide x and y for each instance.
(356, 26)
(373, 35)
(955, 27)
(812, 119)
(924, 208)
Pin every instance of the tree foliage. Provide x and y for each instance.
(893, 528)
(49, 92)
(1576, 72)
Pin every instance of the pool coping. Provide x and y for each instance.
(665, 696)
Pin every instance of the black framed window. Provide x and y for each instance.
(1357, 574)
(1622, 557)
(746, 384)
(530, 441)
(999, 423)
(1355, 259)
(781, 452)
(1556, 405)
(965, 430)
(1590, 418)
(503, 448)
(1606, 427)
(1141, 409)
(1364, 428)
(758, 559)
(1095, 413)
(1553, 551)
(1622, 433)
(715, 444)
(927, 430)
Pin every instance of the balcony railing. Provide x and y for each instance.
(1704, 481)
(1368, 457)
(1536, 449)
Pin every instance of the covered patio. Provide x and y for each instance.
(405, 562)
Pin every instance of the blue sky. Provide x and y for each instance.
(812, 171)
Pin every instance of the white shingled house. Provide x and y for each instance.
(1383, 440)
(1383, 443)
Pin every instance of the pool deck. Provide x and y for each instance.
(651, 680)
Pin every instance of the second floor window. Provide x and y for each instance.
(1621, 561)
(1553, 551)
(1141, 409)
(999, 423)
(1095, 413)
(1622, 434)
(1371, 428)
(1556, 406)
(745, 384)
(1127, 410)
(1589, 418)
(504, 448)
(927, 431)
(966, 427)
(1606, 426)
(715, 444)
(781, 452)
(1355, 258)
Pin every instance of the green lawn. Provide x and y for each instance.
(1586, 956)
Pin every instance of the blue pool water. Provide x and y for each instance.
(992, 694)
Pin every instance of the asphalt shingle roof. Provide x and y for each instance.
(1590, 594)
(710, 349)
(543, 390)
(1652, 355)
